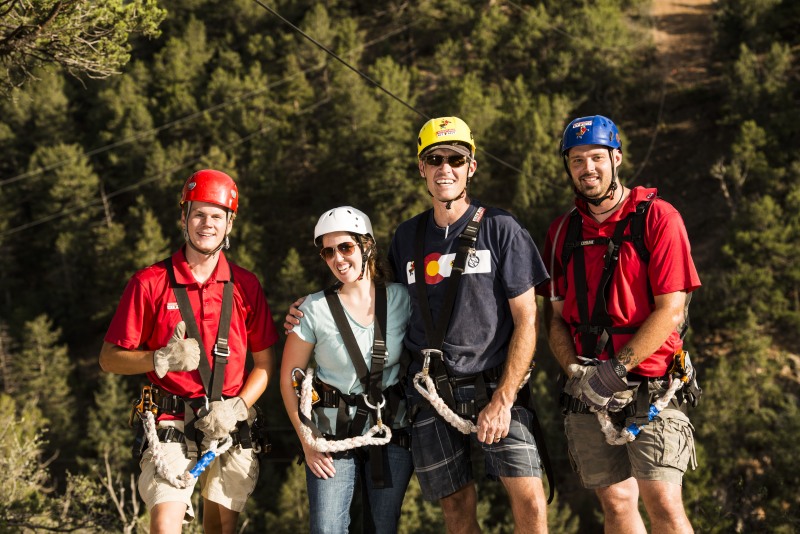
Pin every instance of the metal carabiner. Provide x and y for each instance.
(426, 362)
(376, 407)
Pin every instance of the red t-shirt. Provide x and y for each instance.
(148, 312)
(670, 269)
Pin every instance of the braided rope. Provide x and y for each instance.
(189, 477)
(323, 445)
(428, 391)
(621, 436)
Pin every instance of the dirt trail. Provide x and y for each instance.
(683, 37)
(683, 144)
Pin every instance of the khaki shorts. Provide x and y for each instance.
(228, 480)
(661, 451)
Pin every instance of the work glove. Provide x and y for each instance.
(621, 399)
(599, 384)
(180, 354)
(572, 387)
(221, 418)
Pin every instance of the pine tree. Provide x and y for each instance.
(42, 371)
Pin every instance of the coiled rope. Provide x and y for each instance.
(621, 436)
(321, 444)
(189, 477)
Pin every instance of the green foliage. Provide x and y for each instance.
(42, 370)
(91, 175)
(758, 408)
(82, 37)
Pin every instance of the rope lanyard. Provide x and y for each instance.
(371, 380)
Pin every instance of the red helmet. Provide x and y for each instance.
(211, 186)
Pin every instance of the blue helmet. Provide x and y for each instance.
(592, 130)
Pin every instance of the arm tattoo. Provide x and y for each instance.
(625, 355)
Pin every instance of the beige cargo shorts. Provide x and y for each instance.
(228, 480)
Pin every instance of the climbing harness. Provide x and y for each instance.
(148, 407)
(317, 440)
(374, 402)
(597, 331)
(433, 382)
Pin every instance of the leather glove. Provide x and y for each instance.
(572, 386)
(180, 354)
(621, 399)
(599, 384)
(222, 417)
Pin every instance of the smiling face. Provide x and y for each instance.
(346, 268)
(592, 169)
(444, 181)
(206, 225)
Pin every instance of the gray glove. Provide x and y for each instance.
(621, 399)
(222, 417)
(572, 387)
(599, 384)
(180, 354)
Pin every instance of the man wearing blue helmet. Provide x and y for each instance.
(621, 274)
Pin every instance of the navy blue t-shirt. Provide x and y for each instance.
(506, 265)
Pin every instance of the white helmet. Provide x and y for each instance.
(343, 219)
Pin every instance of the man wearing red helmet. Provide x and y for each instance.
(201, 393)
(621, 270)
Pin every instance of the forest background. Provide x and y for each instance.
(106, 107)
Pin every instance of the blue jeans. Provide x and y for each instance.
(329, 500)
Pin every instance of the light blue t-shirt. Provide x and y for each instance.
(333, 363)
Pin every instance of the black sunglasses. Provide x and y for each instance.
(346, 249)
(435, 160)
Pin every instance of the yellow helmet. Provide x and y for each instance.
(445, 131)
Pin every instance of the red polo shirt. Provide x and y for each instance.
(148, 312)
(670, 269)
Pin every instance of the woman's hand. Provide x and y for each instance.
(320, 463)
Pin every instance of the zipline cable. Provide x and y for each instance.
(149, 179)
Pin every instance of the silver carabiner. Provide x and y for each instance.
(426, 362)
(377, 408)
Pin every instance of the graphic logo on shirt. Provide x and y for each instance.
(172, 306)
(439, 266)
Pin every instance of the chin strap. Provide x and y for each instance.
(611, 188)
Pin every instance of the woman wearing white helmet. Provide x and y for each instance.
(357, 427)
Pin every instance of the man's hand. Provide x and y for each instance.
(293, 316)
(494, 422)
(598, 385)
(180, 354)
(222, 417)
(621, 399)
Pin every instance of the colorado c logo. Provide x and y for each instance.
(433, 271)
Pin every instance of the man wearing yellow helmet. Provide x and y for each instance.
(471, 272)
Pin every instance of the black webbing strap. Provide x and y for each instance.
(434, 335)
(466, 244)
(596, 331)
(371, 379)
(212, 380)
